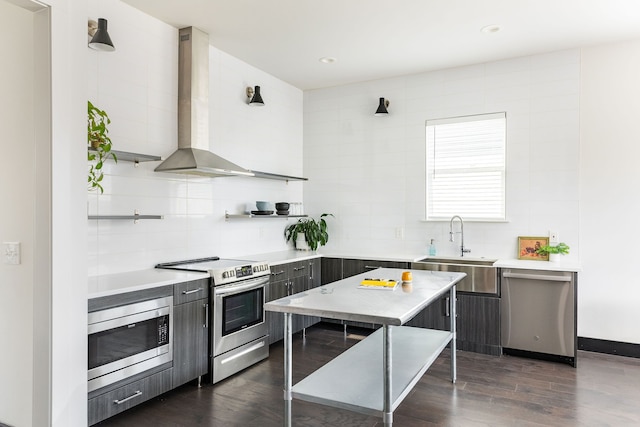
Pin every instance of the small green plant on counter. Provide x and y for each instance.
(99, 144)
(560, 248)
(315, 232)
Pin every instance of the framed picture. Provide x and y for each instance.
(527, 247)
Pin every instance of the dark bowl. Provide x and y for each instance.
(282, 206)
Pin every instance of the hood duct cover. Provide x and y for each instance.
(193, 155)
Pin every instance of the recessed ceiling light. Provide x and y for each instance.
(490, 29)
(327, 60)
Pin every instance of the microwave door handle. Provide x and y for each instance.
(240, 288)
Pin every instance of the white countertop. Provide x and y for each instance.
(111, 284)
(572, 266)
(345, 300)
(282, 257)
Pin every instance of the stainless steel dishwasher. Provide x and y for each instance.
(538, 314)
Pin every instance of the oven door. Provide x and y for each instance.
(239, 313)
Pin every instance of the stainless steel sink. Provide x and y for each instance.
(481, 277)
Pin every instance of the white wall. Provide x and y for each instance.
(68, 287)
(17, 214)
(609, 201)
(137, 86)
(43, 305)
(370, 171)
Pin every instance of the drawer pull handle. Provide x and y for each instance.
(206, 316)
(191, 292)
(372, 267)
(277, 273)
(298, 268)
(121, 401)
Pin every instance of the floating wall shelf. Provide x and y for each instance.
(268, 175)
(135, 217)
(228, 216)
(127, 156)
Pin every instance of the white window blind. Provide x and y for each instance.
(466, 167)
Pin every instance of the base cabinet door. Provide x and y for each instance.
(478, 324)
(331, 270)
(288, 279)
(115, 401)
(433, 316)
(190, 344)
(190, 331)
(277, 289)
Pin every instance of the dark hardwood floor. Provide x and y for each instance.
(603, 390)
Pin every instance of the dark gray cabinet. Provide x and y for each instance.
(128, 395)
(478, 324)
(477, 321)
(331, 270)
(191, 331)
(288, 279)
(434, 316)
(351, 267)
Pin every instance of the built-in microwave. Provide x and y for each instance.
(129, 339)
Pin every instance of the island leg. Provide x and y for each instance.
(387, 362)
(452, 311)
(288, 368)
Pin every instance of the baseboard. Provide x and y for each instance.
(609, 347)
(540, 356)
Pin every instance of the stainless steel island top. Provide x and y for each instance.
(345, 300)
(361, 379)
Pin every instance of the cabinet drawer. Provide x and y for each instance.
(299, 269)
(111, 403)
(190, 291)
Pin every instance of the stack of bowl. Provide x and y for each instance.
(264, 208)
(282, 208)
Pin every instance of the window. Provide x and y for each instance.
(466, 167)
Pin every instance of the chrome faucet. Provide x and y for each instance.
(452, 234)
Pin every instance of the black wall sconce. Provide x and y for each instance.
(100, 39)
(382, 108)
(255, 99)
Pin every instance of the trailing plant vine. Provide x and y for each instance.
(99, 145)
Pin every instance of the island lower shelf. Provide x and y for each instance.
(352, 380)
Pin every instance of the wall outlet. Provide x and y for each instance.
(554, 237)
(400, 233)
(11, 252)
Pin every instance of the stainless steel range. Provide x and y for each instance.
(238, 293)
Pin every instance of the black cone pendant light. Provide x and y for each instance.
(255, 97)
(382, 108)
(101, 40)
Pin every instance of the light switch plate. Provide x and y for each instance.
(11, 252)
(554, 238)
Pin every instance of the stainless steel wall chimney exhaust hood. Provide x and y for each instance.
(193, 155)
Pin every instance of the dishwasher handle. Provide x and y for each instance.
(564, 278)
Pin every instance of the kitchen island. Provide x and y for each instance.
(375, 375)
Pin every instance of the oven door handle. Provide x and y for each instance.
(234, 289)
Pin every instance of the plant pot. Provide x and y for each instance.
(554, 257)
(301, 242)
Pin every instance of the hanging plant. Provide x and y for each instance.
(99, 145)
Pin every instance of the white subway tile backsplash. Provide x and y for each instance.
(137, 85)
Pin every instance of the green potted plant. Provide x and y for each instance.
(99, 144)
(314, 232)
(553, 250)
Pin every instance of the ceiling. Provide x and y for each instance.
(373, 39)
